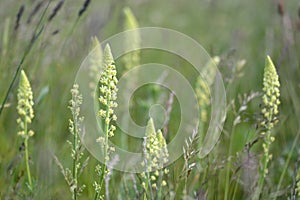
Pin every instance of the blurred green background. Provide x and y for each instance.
(232, 29)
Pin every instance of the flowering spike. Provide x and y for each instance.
(130, 22)
(25, 110)
(155, 154)
(107, 98)
(271, 102)
(107, 57)
(95, 62)
(202, 87)
(132, 39)
(150, 129)
(25, 102)
(271, 94)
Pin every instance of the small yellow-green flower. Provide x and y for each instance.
(25, 104)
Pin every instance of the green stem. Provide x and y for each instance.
(265, 158)
(235, 190)
(262, 173)
(75, 159)
(149, 186)
(160, 184)
(228, 165)
(185, 179)
(27, 155)
(106, 128)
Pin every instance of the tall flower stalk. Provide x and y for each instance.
(108, 96)
(75, 127)
(26, 114)
(270, 101)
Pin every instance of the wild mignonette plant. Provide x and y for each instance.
(133, 40)
(270, 101)
(75, 127)
(155, 156)
(108, 96)
(26, 114)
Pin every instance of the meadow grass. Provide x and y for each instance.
(49, 40)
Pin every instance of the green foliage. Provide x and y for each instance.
(44, 40)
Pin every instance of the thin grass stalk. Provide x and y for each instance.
(227, 178)
(262, 172)
(80, 13)
(75, 171)
(295, 103)
(287, 163)
(235, 189)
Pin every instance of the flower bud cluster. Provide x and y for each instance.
(25, 106)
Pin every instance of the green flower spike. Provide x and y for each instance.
(95, 62)
(108, 93)
(107, 98)
(26, 114)
(270, 107)
(25, 104)
(156, 148)
(270, 102)
(202, 87)
(133, 39)
(271, 95)
(156, 155)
